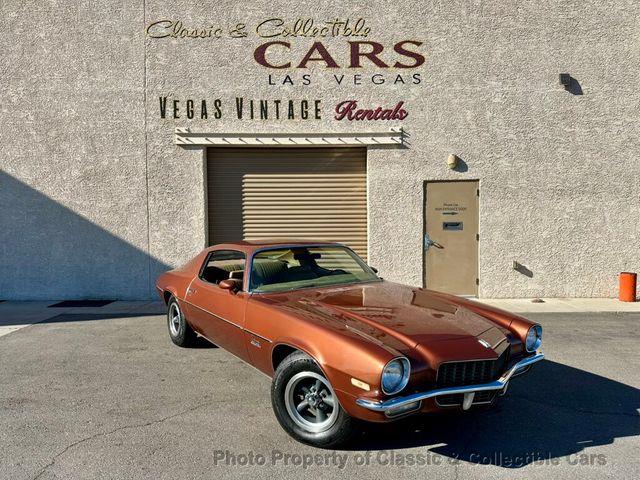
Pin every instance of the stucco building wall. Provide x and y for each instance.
(97, 199)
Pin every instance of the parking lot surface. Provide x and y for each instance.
(106, 395)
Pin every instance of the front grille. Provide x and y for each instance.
(456, 374)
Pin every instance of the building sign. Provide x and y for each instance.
(269, 28)
(396, 64)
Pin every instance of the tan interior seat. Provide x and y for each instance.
(214, 274)
(265, 271)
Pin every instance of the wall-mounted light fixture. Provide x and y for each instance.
(452, 161)
(565, 80)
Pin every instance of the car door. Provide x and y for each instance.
(216, 313)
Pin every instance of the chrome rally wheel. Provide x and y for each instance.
(310, 401)
(174, 319)
(180, 331)
(306, 405)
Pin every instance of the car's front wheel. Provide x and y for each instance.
(306, 405)
(180, 331)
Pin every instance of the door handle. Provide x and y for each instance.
(430, 243)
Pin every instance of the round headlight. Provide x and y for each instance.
(534, 338)
(395, 375)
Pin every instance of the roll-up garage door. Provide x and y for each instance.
(311, 193)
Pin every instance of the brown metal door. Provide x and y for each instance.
(451, 237)
(313, 193)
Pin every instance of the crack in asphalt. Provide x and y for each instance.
(475, 425)
(574, 409)
(124, 427)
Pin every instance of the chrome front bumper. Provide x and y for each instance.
(400, 404)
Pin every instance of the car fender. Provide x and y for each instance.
(512, 322)
(364, 366)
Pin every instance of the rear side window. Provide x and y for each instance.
(223, 264)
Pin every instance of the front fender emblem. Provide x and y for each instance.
(255, 343)
(484, 343)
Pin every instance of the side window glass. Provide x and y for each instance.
(223, 264)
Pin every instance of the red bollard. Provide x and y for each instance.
(628, 286)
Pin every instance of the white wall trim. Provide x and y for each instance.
(393, 136)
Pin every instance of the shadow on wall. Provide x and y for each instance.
(574, 87)
(50, 252)
(552, 412)
(518, 267)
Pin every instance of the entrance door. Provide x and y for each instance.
(451, 237)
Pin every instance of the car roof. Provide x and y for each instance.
(252, 245)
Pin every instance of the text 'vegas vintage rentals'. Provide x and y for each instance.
(340, 342)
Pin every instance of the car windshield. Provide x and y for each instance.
(292, 268)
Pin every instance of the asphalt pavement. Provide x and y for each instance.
(107, 395)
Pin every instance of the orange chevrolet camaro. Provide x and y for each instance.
(340, 342)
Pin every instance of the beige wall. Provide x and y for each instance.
(97, 199)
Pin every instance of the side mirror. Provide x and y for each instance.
(230, 284)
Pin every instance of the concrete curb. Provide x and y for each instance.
(563, 305)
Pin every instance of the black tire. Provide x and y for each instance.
(181, 332)
(342, 427)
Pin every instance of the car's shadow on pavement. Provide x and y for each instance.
(553, 411)
(202, 342)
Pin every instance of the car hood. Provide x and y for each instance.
(396, 315)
